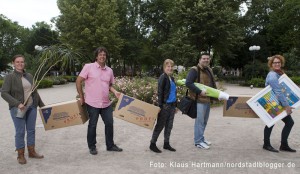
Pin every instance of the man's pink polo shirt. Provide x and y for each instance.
(97, 84)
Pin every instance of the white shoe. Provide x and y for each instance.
(202, 146)
(207, 142)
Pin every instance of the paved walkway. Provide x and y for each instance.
(237, 144)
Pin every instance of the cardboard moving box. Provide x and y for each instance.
(63, 114)
(236, 106)
(136, 111)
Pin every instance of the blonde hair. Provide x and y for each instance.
(168, 62)
(271, 60)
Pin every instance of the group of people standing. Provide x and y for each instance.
(99, 79)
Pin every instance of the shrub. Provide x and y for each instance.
(233, 79)
(144, 89)
(70, 78)
(45, 83)
(296, 80)
(1, 82)
(256, 82)
(57, 80)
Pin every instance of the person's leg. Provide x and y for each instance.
(30, 128)
(206, 116)
(168, 128)
(160, 123)
(161, 120)
(267, 134)
(199, 124)
(267, 144)
(289, 122)
(30, 125)
(19, 124)
(169, 123)
(91, 133)
(107, 117)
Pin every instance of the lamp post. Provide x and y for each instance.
(253, 48)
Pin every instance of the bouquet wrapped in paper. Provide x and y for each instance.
(211, 92)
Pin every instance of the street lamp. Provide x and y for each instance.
(38, 48)
(253, 48)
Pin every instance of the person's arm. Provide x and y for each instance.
(79, 81)
(114, 91)
(5, 93)
(160, 90)
(40, 101)
(274, 83)
(189, 82)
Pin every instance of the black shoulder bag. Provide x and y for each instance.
(187, 105)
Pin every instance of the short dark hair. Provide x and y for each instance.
(16, 56)
(100, 49)
(203, 54)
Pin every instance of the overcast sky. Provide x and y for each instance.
(28, 12)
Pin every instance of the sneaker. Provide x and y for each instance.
(207, 142)
(93, 151)
(202, 146)
(115, 148)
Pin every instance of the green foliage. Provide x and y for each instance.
(1, 83)
(70, 78)
(57, 80)
(181, 75)
(144, 89)
(57, 56)
(11, 37)
(87, 25)
(207, 25)
(256, 82)
(45, 83)
(41, 34)
(258, 70)
(233, 79)
(296, 80)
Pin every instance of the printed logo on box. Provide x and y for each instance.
(46, 113)
(125, 101)
(231, 102)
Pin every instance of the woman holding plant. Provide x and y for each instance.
(17, 92)
(167, 102)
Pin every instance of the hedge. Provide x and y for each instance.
(70, 78)
(45, 83)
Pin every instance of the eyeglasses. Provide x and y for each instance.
(276, 63)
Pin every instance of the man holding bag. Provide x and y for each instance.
(203, 102)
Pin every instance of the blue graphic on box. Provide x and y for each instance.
(230, 102)
(125, 101)
(271, 103)
(46, 113)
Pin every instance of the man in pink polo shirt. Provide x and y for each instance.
(98, 79)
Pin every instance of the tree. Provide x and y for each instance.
(130, 32)
(88, 24)
(284, 26)
(10, 40)
(40, 34)
(208, 25)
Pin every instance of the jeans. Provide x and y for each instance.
(203, 110)
(107, 117)
(28, 123)
(289, 122)
(165, 120)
